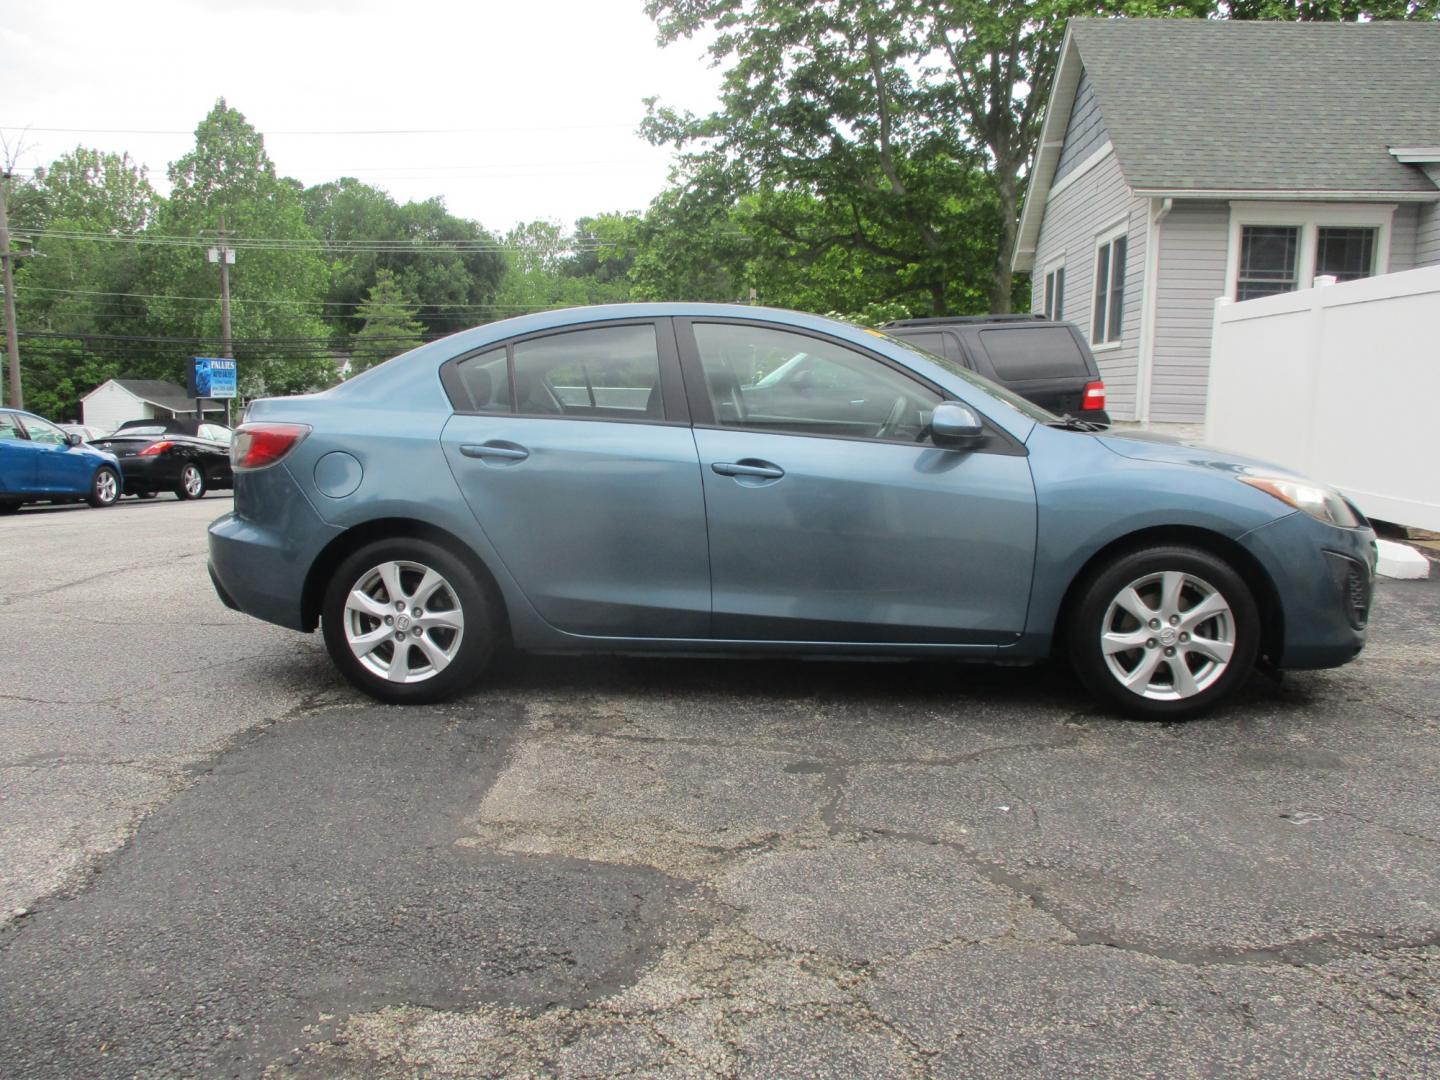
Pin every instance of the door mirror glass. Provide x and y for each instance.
(954, 426)
(73, 439)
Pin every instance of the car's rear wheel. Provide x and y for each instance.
(192, 482)
(8, 508)
(104, 487)
(1164, 633)
(408, 622)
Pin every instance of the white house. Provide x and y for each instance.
(116, 400)
(1182, 160)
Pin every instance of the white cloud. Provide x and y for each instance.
(555, 87)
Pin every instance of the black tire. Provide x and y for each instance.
(104, 488)
(470, 655)
(191, 484)
(9, 508)
(1163, 691)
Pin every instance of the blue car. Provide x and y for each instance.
(41, 463)
(617, 479)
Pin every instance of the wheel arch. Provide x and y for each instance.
(340, 548)
(1262, 588)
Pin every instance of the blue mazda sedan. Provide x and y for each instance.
(617, 479)
(41, 463)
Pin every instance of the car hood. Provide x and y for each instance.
(1150, 446)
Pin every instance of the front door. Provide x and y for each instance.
(61, 469)
(850, 528)
(575, 454)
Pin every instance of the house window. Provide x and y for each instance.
(1055, 293)
(1268, 260)
(1346, 253)
(1280, 247)
(1109, 309)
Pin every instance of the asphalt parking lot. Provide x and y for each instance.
(217, 860)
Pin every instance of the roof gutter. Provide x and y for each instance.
(1297, 195)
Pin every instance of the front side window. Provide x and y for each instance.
(611, 371)
(1109, 309)
(42, 431)
(1055, 294)
(775, 380)
(1269, 257)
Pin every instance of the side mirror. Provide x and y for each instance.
(954, 426)
(73, 438)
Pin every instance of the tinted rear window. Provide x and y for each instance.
(1022, 353)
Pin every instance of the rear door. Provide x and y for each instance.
(574, 450)
(19, 457)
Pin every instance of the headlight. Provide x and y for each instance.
(1319, 502)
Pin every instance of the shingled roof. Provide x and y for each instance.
(1218, 107)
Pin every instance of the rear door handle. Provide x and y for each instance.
(495, 450)
(760, 469)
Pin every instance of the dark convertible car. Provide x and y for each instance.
(179, 455)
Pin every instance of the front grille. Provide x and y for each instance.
(1356, 585)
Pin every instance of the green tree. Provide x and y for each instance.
(451, 265)
(279, 278)
(87, 203)
(888, 109)
(548, 267)
(389, 326)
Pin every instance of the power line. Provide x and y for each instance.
(244, 300)
(276, 243)
(339, 132)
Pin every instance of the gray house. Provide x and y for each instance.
(1185, 160)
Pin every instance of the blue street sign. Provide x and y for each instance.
(211, 377)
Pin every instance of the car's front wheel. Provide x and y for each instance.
(192, 482)
(408, 622)
(1164, 633)
(104, 487)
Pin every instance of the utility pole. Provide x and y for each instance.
(12, 339)
(224, 256)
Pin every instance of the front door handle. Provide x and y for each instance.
(761, 470)
(495, 450)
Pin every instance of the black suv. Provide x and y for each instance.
(1040, 359)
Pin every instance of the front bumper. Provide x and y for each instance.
(1323, 578)
(259, 562)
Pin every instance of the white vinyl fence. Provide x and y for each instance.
(1340, 382)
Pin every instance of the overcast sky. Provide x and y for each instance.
(549, 92)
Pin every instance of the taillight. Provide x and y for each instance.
(1094, 397)
(257, 445)
(156, 448)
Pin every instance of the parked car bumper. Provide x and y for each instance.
(1326, 576)
(259, 566)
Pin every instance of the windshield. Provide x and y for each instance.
(150, 429)
(1021, 405)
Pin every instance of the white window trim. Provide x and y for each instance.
(1119, 229)
(1308, 217)
(1057, 263)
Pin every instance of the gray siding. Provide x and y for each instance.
(1403, 229)
(1073, 219)
(1191, 269)
(1085, 133)
(1427, 231)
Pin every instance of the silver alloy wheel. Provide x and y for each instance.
(403, 622)
(192, 480)
(1168, 636)
(106, 489)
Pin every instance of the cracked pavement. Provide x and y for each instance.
(231, 865)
